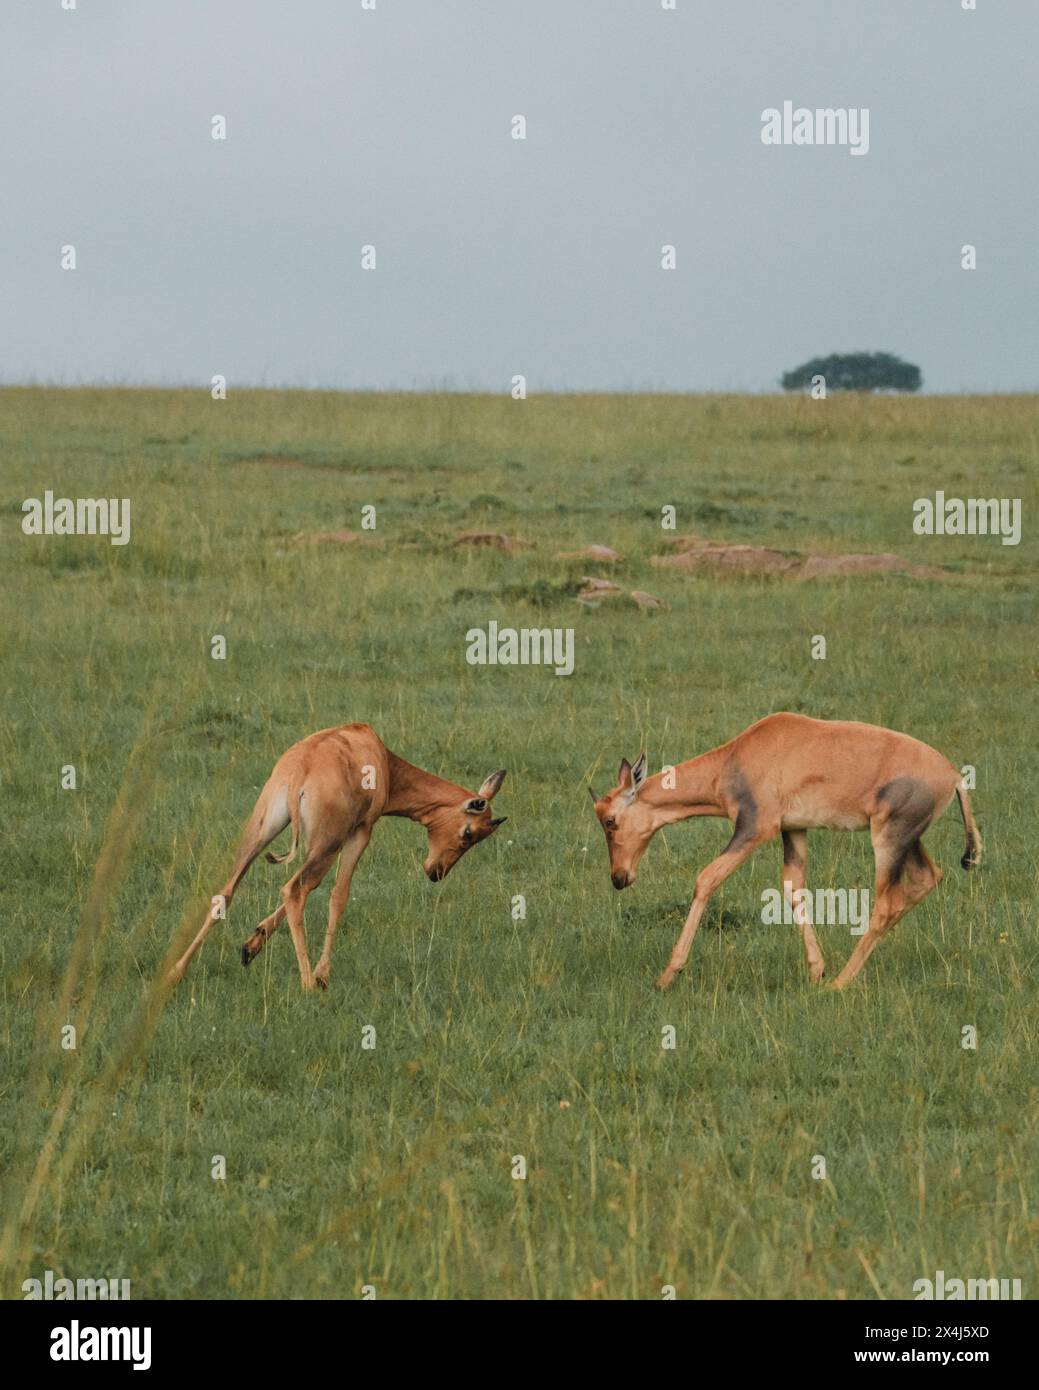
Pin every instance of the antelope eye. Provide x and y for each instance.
(467, 834)
(610, 823)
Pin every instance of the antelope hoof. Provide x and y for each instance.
(174, 976)
(321, 979)
(816, 973)
(252, 946)
(666, 978)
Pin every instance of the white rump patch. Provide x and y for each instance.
(277, 817)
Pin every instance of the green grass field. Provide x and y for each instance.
(392, 1167)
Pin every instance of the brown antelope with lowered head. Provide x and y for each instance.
(786, 775)
(332, 787)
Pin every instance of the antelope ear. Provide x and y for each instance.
(638, 772)
(624, 774)
(475, 805)
(490, 788)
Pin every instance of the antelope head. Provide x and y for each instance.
(627, 825)
(459, 826)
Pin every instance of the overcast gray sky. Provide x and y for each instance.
(496, 256)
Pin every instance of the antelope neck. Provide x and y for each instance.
(416, 794)
(695, 793)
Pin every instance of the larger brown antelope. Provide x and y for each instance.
(787, 775)
(332, 787)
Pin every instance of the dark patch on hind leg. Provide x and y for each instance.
(909, 804)
(907, 799)
(920, 873)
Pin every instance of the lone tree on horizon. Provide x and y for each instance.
(855, 371)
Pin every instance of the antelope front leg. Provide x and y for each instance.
(739, 848)
(795, 860)
(352, 851)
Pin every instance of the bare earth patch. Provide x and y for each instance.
(605, 554)
(744, 559)
(695, 553)
(816, 565)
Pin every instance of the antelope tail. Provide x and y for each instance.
(972, 853)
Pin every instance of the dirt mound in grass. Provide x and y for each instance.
(824, 565)
(605, 554)
(696, 553)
